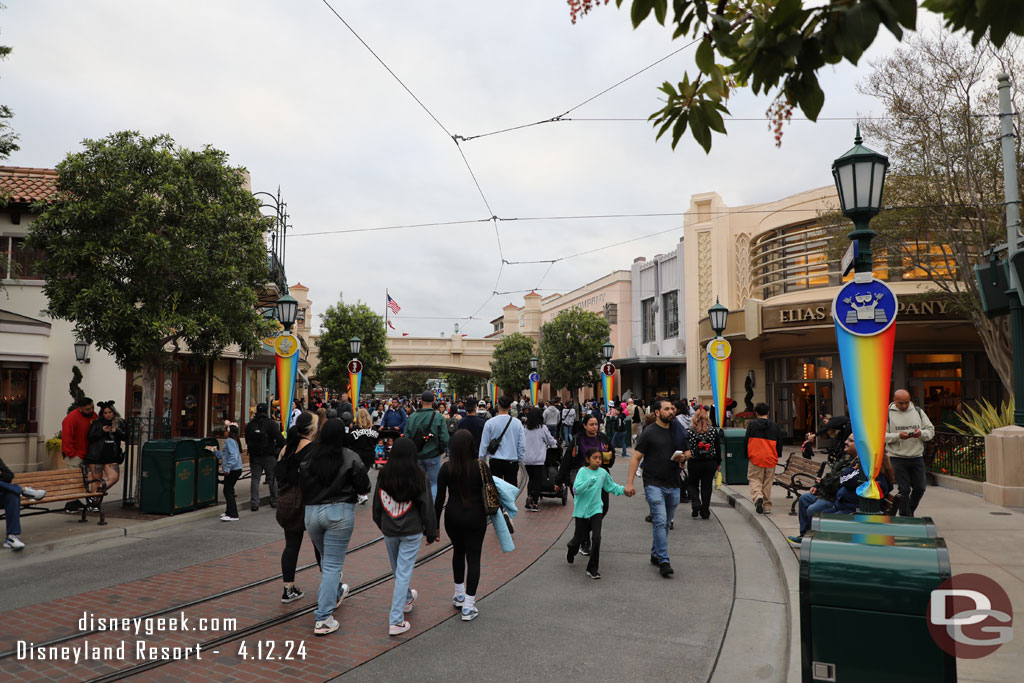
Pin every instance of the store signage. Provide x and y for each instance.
(815, 312)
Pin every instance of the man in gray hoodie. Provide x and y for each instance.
(906, 431)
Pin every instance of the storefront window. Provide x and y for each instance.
(15, 398)
(257, 389)
(936, 384)
(220, 410)
(168, 389)
(647, 322)
(662, 382)
(800, 393)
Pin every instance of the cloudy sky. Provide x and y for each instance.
(294, 97)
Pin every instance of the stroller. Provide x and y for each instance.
(387, 439)
(551, 463)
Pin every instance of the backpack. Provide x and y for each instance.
(829, 485)
(705, 446)
(421, 437)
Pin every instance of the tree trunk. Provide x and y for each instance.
(995, 338)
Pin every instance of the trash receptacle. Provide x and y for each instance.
(734, 464)
(911, 527)
(207, 468)
(857, 588)
(168, 476)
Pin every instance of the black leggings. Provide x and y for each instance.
(466, 547)
(536, 475)
(505, 469)
(290, 554)
(588, 534)
(702, 475)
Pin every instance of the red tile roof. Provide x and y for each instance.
(20, 185)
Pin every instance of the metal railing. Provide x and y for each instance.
(139, 430)
(957, 455)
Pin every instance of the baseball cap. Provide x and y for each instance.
(482, 404)
(427, 397)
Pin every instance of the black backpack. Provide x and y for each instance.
(705, 446)
(829, 485)
(421, 437)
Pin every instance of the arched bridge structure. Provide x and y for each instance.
(442, 354)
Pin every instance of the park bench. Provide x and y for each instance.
(800, 474)
(61, 486)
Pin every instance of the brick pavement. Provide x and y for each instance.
(535, 533)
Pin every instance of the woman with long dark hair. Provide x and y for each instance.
(331, 479)
(538, 441)
(104, 454)
(464, 518)
(290, 511)
(403, 511)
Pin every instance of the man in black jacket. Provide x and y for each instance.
(264, 441)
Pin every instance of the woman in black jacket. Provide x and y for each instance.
(290, 510)
(331, 480)
(104, 454)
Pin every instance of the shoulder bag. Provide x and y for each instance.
(493, 446)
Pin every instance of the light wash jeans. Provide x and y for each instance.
(663, 502)
(330, 528)
(809, 505)
(402, 551)
(431, 466)
(566, 433)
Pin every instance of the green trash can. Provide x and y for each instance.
(207, 468)
(168, 476)
(909, 527)
(734, 464)
(857, 591)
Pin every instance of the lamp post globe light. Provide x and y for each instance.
(607, 351)
(718, 315)
(859, 175)
(534, 363)
(81, 351)
(355, 344)
(287, 310)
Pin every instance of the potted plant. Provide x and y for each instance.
(53, 450)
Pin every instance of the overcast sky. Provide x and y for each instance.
(292, 96)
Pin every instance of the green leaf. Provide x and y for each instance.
(640, 10)
(705, 56)
(812, 98)
(699, 128)
(660, 10)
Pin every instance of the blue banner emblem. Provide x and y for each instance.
(865, 308)
(534, 377)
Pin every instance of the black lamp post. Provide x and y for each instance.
(860, 177)
(534, 364)
(355, 344)
(607, 351)
(719, 316)
(287, 310)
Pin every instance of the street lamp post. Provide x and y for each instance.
(534, 380)
(355, 371)
(864, 311)
(286, 348)
(719, 352)
(607, 372)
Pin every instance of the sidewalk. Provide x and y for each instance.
(982, 539)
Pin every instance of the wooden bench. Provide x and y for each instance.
(60, 486)
(800, 474)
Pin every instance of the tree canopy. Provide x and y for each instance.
(510, 368)
(406, 382)
(340, 323)
(778, 47)
(570, 348)
(462, 385)
(8, 138)
(149, 246)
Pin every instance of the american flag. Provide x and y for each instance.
(393, 305)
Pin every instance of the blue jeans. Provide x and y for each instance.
(402, 551)
(10, 496)
(431, 466)
(809, 505)
(554, 431)
(566, 433)
(330, 528)
(619, 439)
(663, 502)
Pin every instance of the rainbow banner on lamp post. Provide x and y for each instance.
(355, 379)
(534, 387)
(719, 353)
(608, 383)
(286, 346)
(864, 311)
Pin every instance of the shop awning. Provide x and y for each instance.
(632, 361)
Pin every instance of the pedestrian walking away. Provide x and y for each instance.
(703, 457)
(230, 458)
(503, 443)
(428, 430)
(590, 482)
(658, 450)
(291, 513)
(465, 520)
(552, 418)
(906, 431)
(10, 500)
(763, 445)
(264, 441)
(404, 512)
(363, 439)
(538, 440)
(331, 479)
(473, 423)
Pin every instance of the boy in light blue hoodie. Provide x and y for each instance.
(590, 481)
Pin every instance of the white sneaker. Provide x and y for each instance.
(398, 629)
(225, 518)
(34, 494)
(408, 605)
(458, 601)
(13, 542)
(341, 596)
(469, 613)
(362, 499)
(328, 625)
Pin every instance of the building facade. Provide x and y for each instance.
(769, 264)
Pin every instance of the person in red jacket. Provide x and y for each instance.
(74, 441)
(763, 442)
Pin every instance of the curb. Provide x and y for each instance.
(786, 565)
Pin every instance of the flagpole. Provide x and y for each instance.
(387, 296)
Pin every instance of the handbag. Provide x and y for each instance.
(494, 444)
(290, 513)
(490, 492)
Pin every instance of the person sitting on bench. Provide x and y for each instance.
(10, 497)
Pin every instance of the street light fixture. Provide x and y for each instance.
(534, 363)
(287, 310)
(719, 316)
(607, 351)
(355, 344)
(81, 351)
(860, 178)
